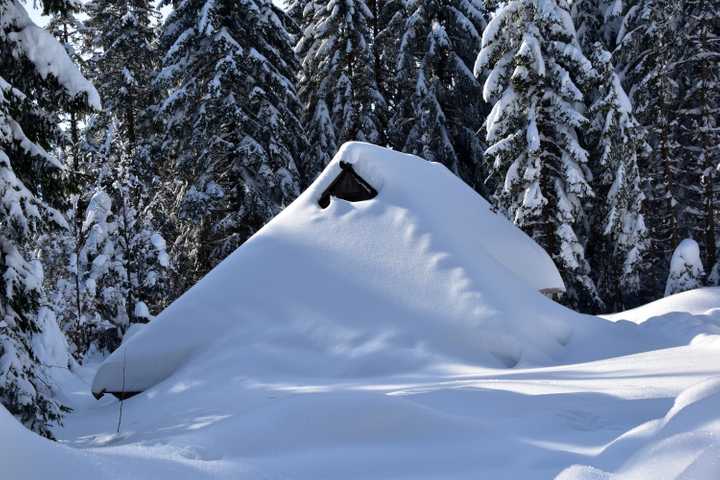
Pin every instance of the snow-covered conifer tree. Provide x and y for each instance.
(597, 21)
(617, 143)
(122, 35)
(111, 265)
(69, 29)
(686, 268)
(295, 11)
(85, 260)
(124, 62)
(699, 116)
(230, 132)
(107, 271)
(535, 81)
(647, 58)
(37, 82)
(435, 98)
(588, 21)
(337, 83)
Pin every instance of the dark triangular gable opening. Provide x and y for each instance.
(349, 186)
(118, 395)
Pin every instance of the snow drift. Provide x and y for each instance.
(682, 445)
(26, 455)
(700, 301)
(679, 319)
(423, 275)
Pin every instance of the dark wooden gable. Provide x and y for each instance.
(349, 186)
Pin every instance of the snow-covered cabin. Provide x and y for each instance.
(385, 262)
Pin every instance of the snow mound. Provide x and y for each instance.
(684, 444)
(701, 301)
(691, 317)
(50, 345)
(422, 275)
(280, 384)
(686, 268)
(693, 402)
(28, 456)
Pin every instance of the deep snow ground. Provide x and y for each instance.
(461, 423)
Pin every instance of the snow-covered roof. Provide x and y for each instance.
(423, 273)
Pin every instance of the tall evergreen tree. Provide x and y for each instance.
(69, 29)
(295, 10)
(619, 239)
(107, 270)
(122, 35)
(648, 55)
(37, 83)
(536, 73)
(699, 128)
(230, 132)
(337, 83)
(111, 265)
(124, 61)
(436, 105)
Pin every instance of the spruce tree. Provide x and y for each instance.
(535, 81)
(295, 10)
(38, 82)
(435, 98)
(647, 57)
(699, 132)
(107, 271)
(589, 22)
(121, 35)
(230, 135)
(83, 259)
(337, 83)
(70, 31)
(124, 61)
(597, 21)
(111, 265)
(619, 242)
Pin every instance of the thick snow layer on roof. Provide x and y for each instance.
(425, 274)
